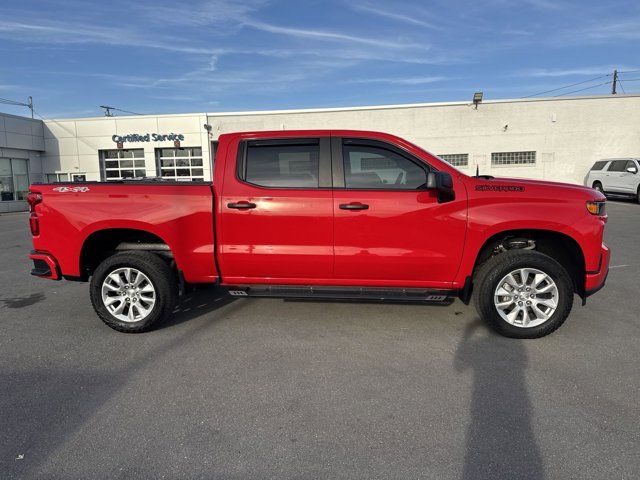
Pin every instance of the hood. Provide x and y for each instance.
(541, 187)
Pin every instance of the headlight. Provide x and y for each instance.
(596, 208)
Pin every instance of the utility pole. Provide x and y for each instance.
(615, 81)
(107, 110)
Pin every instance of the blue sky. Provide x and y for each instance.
(222, 55)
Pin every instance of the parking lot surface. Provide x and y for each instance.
(255, 389)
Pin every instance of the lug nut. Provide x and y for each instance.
(528, 303)
(519, 304)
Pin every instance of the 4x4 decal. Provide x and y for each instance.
(71, 189)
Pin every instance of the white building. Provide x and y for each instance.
(554, 138)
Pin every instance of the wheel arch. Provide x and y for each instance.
(102, 243)
(561, 247)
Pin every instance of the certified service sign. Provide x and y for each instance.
(148, 137)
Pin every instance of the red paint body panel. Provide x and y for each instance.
(180, 215)
(301, 236)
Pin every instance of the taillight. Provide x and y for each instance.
(34, 224)
(33, 199)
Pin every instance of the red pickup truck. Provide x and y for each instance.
(326, 214)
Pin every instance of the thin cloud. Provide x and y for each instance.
(334, 36)
(396, 16)
(401, 80)
(570, 72)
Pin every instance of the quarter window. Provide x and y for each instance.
(180, 163)
(599, 165)
(378, 168)
(456, 159)
(513, 158)
(122, 164)
(283, 165)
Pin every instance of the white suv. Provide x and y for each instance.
(618, 176)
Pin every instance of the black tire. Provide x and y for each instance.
(598, 186)
(493, 270)
(638, 195)
(161, 277)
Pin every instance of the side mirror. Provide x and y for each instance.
(632, 170)
(443, 183)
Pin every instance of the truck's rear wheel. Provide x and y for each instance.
(131, 291)
(523, 294)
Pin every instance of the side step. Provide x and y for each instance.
(345, 293)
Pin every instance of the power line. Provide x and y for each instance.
(583, 89)
(621, 87)
(13, 102)
(108, 110)
(29, 104)
(569, 86)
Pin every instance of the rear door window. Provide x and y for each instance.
(283, 165)
(617, 166)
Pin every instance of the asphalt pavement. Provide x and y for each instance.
(267, 388)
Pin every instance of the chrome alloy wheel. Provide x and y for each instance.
(526, 297)
(128, 294)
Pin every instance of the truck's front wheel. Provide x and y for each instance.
(523, 294)
(131, 291)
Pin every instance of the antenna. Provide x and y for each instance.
(477, 170)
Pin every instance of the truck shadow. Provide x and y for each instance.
(202, 300)
(500, 441)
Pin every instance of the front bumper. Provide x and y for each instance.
(44, 265)
(594, 281)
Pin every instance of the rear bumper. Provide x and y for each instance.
(594, 281)
(44, 265)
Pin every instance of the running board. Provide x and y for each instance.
(345, 293)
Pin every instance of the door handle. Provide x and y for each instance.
(243, 205)
(353, 206)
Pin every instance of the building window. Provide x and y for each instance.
(456, 159)
(513, 158)
(180, 163)
(57, 177)
(14, 179)
(121, 164)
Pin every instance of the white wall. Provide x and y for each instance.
(567, 134)
(72, 145)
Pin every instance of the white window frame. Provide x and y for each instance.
(119, 169)
(455, 159)
(14, 183)
(510, 159)
(171, 164)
